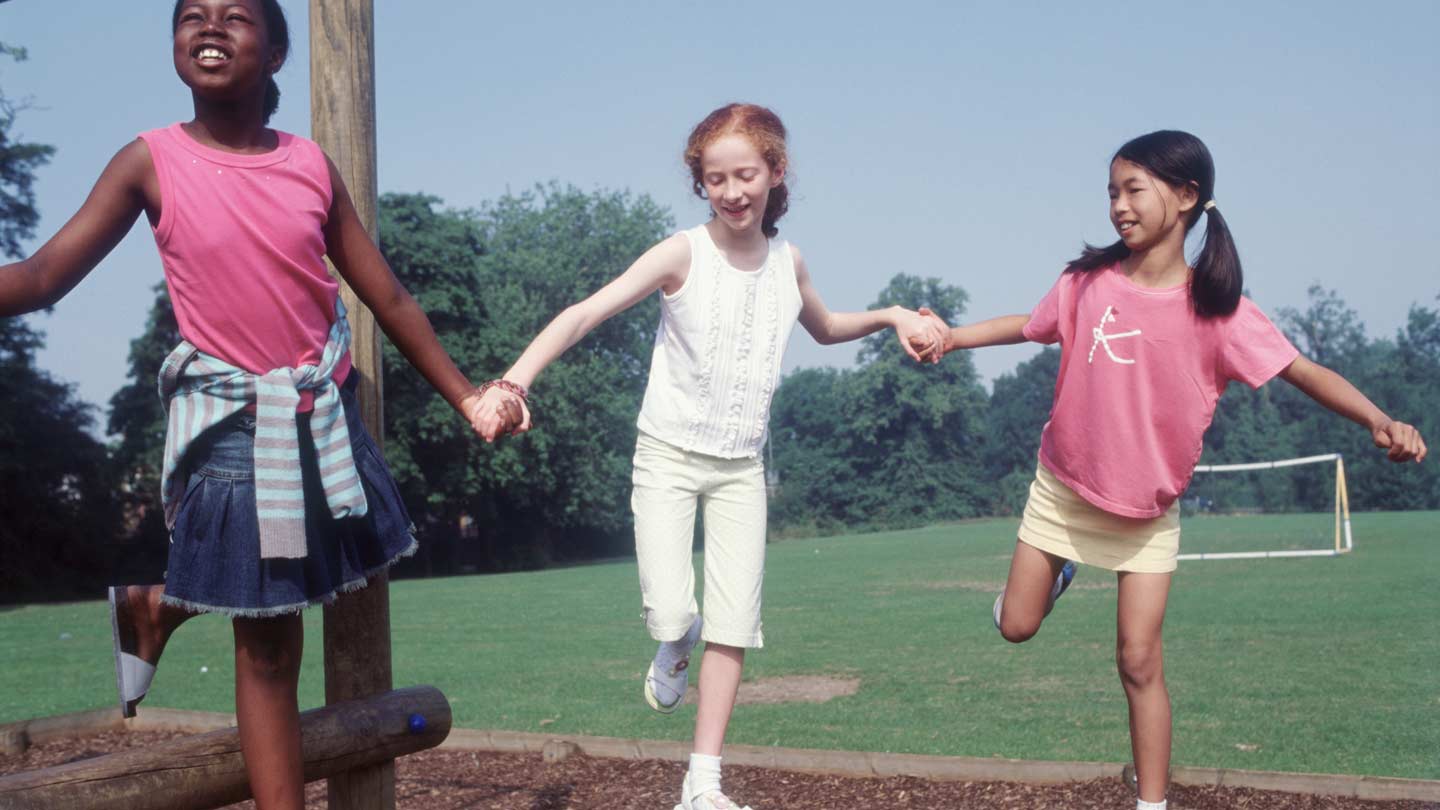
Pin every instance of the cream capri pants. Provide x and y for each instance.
(668, 483)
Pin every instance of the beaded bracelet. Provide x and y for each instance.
(506, 385)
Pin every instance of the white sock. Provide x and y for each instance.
(704, 774)
(1141, 804)
(672, 651)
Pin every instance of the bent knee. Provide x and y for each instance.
(1017, 631)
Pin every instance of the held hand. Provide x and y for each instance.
(936, 350)
(484, 414)
(497, 413)
(918, 335)
(1401, 440)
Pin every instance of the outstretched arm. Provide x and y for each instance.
(663, 266)
(75, 250)
(917, 335)
(1402, 441)
(1001, 331)
(361, 264)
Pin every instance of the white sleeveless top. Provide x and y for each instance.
(718, 350)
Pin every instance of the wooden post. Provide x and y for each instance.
(208, 770)
(342, 118)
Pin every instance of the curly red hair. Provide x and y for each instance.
(764, 129)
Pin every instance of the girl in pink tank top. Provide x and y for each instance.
(1148, 345)
(244, 217)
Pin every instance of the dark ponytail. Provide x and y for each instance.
(1218, 280)
(1179, 159)
(775, 208)
(277, 32)
(272, 98)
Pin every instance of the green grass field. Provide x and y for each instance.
(1320, 665)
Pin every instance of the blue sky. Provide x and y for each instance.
(967, 141)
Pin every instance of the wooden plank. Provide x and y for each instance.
(208, 770)
(16, 737)
(342, 117)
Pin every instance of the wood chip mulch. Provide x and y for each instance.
(459, 780)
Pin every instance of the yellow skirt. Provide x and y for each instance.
(1061, 522)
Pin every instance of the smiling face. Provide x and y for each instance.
(737, 180)
(223, 50)
(1145, 210)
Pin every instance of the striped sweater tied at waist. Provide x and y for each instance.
(201, 391)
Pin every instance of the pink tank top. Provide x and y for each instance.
(242, 241)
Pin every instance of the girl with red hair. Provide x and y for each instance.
(730, 294)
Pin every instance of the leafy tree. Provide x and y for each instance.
(1328, 331)
(137, 419)
(19, 161)
(1019, 408)
(55, 505)
(56, 511)
(435, 254)
(1331, 333)
(1417, 377)
(491, 279)
(1249, 426)
(888, 444)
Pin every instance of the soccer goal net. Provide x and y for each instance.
(1267, 509)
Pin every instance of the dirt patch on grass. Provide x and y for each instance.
(790, 689)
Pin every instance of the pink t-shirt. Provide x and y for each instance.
(242, 241)
(1140, 375)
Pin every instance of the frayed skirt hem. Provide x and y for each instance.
(295, 608)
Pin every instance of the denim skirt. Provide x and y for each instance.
(214, 564)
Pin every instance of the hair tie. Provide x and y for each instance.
(1209, 205)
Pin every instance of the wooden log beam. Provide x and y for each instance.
(208, 771)
(342, 120)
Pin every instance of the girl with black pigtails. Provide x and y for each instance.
(1149, 343)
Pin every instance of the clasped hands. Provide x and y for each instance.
(494, 412)
(924, 335)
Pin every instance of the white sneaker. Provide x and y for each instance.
(669, 673)
(709, 800)
(133, 675)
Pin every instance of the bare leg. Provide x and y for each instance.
(267, 673)
(1139, 655)
(149, 619)
(720, 668)
(1027, 591)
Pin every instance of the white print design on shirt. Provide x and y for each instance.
(1102, 339)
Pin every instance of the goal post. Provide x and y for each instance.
(1344, 541)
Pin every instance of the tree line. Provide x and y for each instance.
(886, 443)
